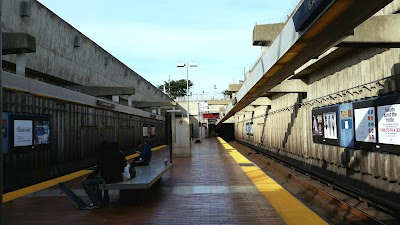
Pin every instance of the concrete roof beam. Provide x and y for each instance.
(265, 34)
(234, 87)
(102, 91)
(261, 101)
(18, 43)
(289, 86)
(138, 104)
(377, 31)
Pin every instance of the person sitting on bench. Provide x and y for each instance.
(110, 165)
(145, 154)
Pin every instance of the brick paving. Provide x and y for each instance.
(207, 188)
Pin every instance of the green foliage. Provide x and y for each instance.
(226, 92)
(178, 87)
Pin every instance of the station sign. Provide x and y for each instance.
(308, 12)
(211, 115)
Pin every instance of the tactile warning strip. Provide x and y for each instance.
(291, 210)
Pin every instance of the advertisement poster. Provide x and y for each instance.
(22, 133)
(249, 128)
(153, 131)
(364, 122)
(389, 124)
(42, 132)
(317, 125)
(330, 128)
(346, 125)
(145, 131)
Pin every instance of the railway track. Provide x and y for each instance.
(350, 209)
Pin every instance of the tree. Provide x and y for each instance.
(227, 92)
(178, 87)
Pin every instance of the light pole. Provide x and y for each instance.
(200, 119)
(187, 65)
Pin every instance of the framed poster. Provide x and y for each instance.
(330, 125)
(325, 125)
(23, 131)
(29, 131)
(152, 131)
(346, 125)
(389, 124)
(377, 123)
(249, 128)
(364, 123)
(145, 131)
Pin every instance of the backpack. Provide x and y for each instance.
(132, 170)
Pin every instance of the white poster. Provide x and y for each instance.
(389, 124)
(145, 132)
(22, 133)
(249, 128)
(330, 129)
(365, 127)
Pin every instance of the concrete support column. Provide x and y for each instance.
(130, 100)
(115, 98)
(21, 64)
(182, 147)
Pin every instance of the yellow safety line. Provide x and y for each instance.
(40, 186)
(291, 210)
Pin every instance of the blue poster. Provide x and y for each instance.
(346, 125)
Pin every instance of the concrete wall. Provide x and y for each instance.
(285, 130)
(56, 56)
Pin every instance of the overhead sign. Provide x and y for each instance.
(211, 115)
(105, 104)
(308, 12)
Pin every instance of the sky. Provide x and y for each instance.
(151, 37)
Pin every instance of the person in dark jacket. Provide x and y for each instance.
(145, 154)
(110, 165)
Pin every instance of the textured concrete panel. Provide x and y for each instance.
(56, 56)
(15, 43)
(234, 87)
(377, 31)
(265, 34)
(103, 91)
(290, 86)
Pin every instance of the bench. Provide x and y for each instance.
(146, 176)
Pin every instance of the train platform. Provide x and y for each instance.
(217, 185)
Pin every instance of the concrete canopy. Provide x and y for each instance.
(16, 43)
(377, 31)
(265, 34)
(138, 104)
(291, 49)
(102, 91)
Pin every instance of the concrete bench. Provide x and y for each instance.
(146, 176)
